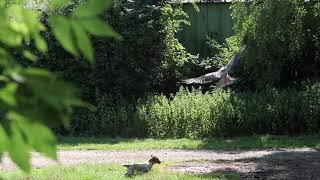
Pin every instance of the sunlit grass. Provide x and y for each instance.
(116, 171)
(259, 142)
(106, 171)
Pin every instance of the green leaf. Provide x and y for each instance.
(4, 79)
(92, 8)
(7, 61)
(3, 140)
(30, 19)
(45, 143)
(18, 149)
(19, 27)
(83, 41)
(54, 96)
(98, 27)
(38, 72)
(15, 12)
(17, 77)
(56, 4)
(27, 54)
(40, 43)
(80, 103)
(10, 37)
(7, 94)
(62, 29)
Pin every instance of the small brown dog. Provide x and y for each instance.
(145, 167)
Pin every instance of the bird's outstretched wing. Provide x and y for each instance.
(221, 74)
(205, 79)
(234, 61)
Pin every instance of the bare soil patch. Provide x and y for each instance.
(300, 163)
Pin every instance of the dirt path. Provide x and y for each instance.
(302, 163)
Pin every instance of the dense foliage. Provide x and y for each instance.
(213, 114)
(227, 113)
(31, 99)
(217, 113)
(283, 39)
(149, 60)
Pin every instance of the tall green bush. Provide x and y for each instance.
(282, 37)
(148, 59)
(211, 114)
(176, 62)
(228, 113)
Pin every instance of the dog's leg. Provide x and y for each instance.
(130, 171)
(126, 174)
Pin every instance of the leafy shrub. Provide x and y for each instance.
(151, 59)
(176, 62)
(283, 39)
(116, 117)
(148, 59)
(227, 113)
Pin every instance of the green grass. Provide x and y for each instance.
(115, 171)
(260, 142)
(104, 171)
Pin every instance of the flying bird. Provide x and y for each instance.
(222, 75)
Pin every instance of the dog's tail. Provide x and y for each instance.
(125, 165)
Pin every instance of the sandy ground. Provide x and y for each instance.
(300, 163)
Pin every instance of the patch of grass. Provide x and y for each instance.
(258, 142)
(81, 143)
(105, 171)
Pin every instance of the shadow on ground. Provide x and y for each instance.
(261, 142)
(279, 165)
